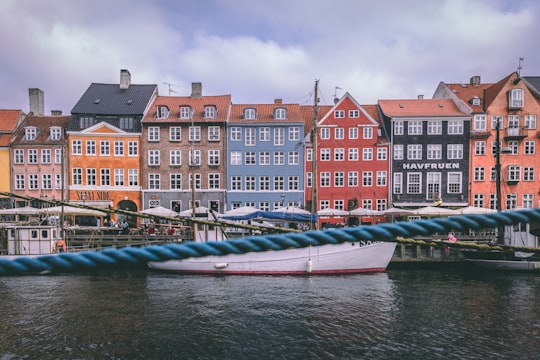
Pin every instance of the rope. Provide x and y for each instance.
(131, 257)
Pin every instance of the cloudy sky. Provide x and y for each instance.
(261, 50)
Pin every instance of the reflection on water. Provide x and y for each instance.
(395, 315)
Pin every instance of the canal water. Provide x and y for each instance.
(400, 314)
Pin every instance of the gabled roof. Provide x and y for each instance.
(419, 108)
(110, 99)
(265, 112)
(174, 103)
(533, 83)
(494, 90)
(344, 102)
(467, 92)
(43, 123)
(307, 113)
(9, 119)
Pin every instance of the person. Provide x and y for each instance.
(125, 227)
(451, 237)
(61, 245)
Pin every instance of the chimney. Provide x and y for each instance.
(475, 80)
(278, 101)
(56, 112)
(196, 90)
(420, 97)
(125, 79)
(37, 101)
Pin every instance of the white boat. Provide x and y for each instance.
(349, 257)
(29, 240)
(345, 258)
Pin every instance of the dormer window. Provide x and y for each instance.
(209, 111)
(280, 113)
(250, 114)
(515, 99)
(475, 101)
(162, 112)
(30, 133)
(185, 112)
(56, 133)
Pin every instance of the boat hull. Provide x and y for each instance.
(357, 257)
(507, 265)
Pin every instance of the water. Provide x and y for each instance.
(400, 314)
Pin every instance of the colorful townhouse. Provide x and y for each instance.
(104, 140)
(430, 152)
(509, 107)
(351, 161)
(265, 164)
(184, 142)
(9, 122)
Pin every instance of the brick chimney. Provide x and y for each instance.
(37, 101)
(196, 90)
(125, 79)
(56, 112)
(420, 97)
(278, 101)
(475, 80)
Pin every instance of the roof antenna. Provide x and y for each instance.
(521, 59)
(335, 94)
(171, 85)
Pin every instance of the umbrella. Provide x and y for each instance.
(476, 210)
(72, 210)
(365, 212)
(241, 213)
(159, 211)
(198, 210)
(292, 210)
(435, 211)
(332, 212)
(27, 210)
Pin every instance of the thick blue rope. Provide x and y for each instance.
(131, 257)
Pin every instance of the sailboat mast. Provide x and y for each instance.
(500, 229)
(314, 139)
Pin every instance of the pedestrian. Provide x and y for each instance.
(451, 237)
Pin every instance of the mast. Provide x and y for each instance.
(314, 139)
(192, 167)
(500, 229)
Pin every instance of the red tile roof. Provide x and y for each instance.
(307, 111)
(44, 124)
(466, 92)
(265, 113)
(221, 102)
(4, 139)
(419, 107)
(9, 119)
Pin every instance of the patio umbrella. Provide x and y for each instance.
(435, 211)
(365, 212)
(26, 210)
(198, 210)
(241, 213)
(332, 212)
(159, 211)
(72, 210)
(476, 210)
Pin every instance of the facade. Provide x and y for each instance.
(38, 158)
(9, 121)
(511, 106)
(430, 152)
(104, 137)
(184, 138)
(265, 164)
(351, 162)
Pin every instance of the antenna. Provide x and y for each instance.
(335, 94)
(171, 85)
(521, 59)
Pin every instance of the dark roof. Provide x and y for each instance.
(109, 99)
(533, 83)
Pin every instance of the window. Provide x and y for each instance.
(250, 114)
(56, 133)
(352, 178)
(46, 181)
(368, 133)
(194, 133)
(250, 158)
(339, 204)
(528, 173)
(479, 173)
(480, 147)
(398, 152)
(325, 154)
(293, 158)
(511, 201)
(32, 156)
(339, 114)
(175, 157)
(530, 121)
(162, 112)
(354, 113)
(175, 133)
(236, 158)
(264, 183)
(367, 154)
(309, 154)
(213, 181)
(382, 154)
(236, 134)
(195, 158)
(513, 145)
(213, 157)
(30, 133)
(250, 136)
(91, 177)
(153, 158)
(118, 148)
(528, 201)
(86, 122)
(339, 154)
(76, 147)
(90, 147)
(280, 114)
(398, 128)
(513, 173)
(127, 123)
(264, 134)
(434, 128)
(454, 182)
(530, 147)
(414, 152)
(279, 136)
(118, 177)
(279, 183)
(339, 133)
(398, 183)
(236, 183)
(57, 156)
(353, 154)
(19, 156)
(294, 134)
(279, 158)
(367, 204)
(33, 182)
(133, 148)
(434, 151)
(210, 111)
(433, 189)
(213, 133)
(264, 158)
(105, 175)
(185, 112)
(76, 176)
(479, 200)
(293, 183)
(367, 178)
(154, 182)
(325, 133)
(381, 178)
(455, 151)
(133, 177)
(19, 182)
(455, 127)
(515, 99)
(309, 179)
(176, 181)
(414, 183)
(479, 122)
(339, 179)
(353, 133)
(325, 179)
(414, 128)
(105, 148)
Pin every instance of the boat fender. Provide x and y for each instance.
(220, 265)
(309, 266)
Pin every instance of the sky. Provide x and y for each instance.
(258, 51)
